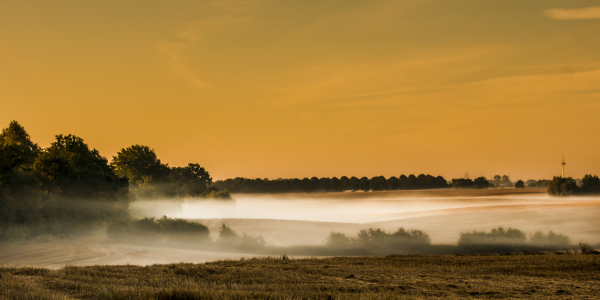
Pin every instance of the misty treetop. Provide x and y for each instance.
(326, 184)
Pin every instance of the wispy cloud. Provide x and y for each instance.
(573, 14)
(171, 50)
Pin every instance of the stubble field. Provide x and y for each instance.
(548, 276)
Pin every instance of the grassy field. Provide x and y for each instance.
(544, 276)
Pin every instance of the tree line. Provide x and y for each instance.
(326, 184)
(70, 186)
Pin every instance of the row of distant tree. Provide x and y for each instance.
(378, 183)
(326, 184)
(70, 185)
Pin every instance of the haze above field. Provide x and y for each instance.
(313, 88)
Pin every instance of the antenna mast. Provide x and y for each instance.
(563, 166)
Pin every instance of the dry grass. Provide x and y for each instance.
(511, 276)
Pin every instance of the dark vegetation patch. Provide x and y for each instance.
(70, 189)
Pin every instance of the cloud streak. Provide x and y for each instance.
(573, 14)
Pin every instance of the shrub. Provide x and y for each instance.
(223, 195)
(551, 239)
(377, 238)
(337, 239)
(230, 239)
(163, 229)
(496, 236)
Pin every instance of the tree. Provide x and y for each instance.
(520, 184)
(393, 183)
(336, 185)
(192, 180)
(590, 184)
(324, 184)
(20, 193)
(354, 183)
(16, 148)
(138, 161)
(344, 183)
(481, 183)
(70, 169)
(462, 183)
(562, 187)
(365, 184)
(410, 183)
(378, 183)
(440, 182)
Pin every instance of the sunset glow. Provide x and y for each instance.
(313, 88)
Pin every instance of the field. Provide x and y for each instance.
(443, 277)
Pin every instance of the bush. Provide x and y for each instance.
(377, 238)
(337, 239)
(556, 240)
(231, 240)
(214, 194)
(162, 230)
(495, 237)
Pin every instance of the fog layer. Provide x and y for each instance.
(288, 220)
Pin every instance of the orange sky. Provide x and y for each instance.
(313, 88)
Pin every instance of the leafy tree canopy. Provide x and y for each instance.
(16, 148)
(138, 161)
(562, 187)
(70, 169)
(191, 179)
(520, 184)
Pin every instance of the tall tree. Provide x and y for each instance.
(16, 148)
(191, 180)
(20, 193)
(365, 184)
(562, 187)
(590, 184)
(70, 169)
(519, 184)
(139, 162)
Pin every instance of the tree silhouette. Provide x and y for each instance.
(519, 184)
(137, 162)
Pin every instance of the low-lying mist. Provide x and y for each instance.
(197, 230)
(285, 220)
(179, 233)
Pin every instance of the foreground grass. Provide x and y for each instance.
(510, 276)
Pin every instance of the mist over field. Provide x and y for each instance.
(311, 219)
(308, 220)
